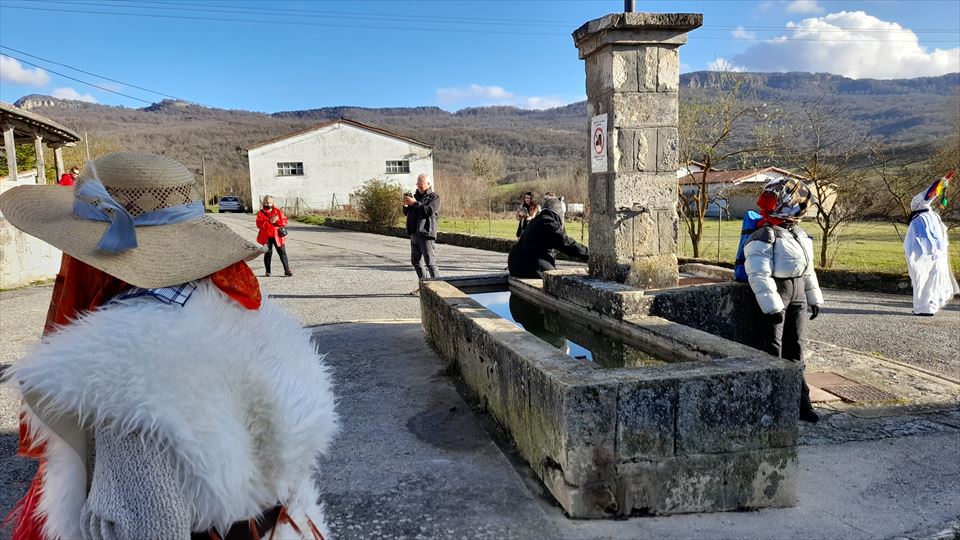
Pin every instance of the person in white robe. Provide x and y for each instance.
(926, 246)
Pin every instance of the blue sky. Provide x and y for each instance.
(286, 55)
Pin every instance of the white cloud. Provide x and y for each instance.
(477, 95)
(742, 33)
(853, 44)
(543, 102)
(804, 6)
(13, 71)
(722, 64)
(473, 92)
(69, 93)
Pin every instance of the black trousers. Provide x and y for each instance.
(421, 247)
(281, 250)
(784, 338)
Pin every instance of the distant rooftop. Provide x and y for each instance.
(25, 125)
(353, 123)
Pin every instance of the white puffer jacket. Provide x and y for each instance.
(776, 252)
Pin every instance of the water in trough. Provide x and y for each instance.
(575, 338)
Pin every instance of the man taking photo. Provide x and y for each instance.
(422, 210)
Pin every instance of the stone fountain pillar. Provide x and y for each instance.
(633, 76)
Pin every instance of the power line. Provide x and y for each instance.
(89, 73)
(446, 29)
(275, 11)
(281, 12)
(79, 81)
(287, 23)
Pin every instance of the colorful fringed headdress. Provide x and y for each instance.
(938, 190)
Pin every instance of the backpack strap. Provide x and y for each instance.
(803, 249)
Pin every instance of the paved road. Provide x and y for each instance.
(883, 324)
(343, 276)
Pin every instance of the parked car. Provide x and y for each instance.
(229, 203)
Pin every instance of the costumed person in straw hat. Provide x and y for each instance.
(780, 269)
(166, 400)
(927, 249)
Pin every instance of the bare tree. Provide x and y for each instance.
(947, 158)
(897, 178)
(822, 147)
(729, 126)
(487, 165)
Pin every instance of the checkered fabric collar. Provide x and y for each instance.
(175, 294)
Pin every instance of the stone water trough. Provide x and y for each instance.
(674, 411)
(714, 428)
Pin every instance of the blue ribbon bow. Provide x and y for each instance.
(93, 202)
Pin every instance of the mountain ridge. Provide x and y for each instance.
(907, 112)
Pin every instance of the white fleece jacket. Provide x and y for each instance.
(238, 401)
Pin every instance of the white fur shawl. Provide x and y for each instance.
(241, 398)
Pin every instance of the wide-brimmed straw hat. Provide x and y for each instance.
(134, 216)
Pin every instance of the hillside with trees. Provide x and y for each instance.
(905, 120)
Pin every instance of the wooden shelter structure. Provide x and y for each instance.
(24, 127)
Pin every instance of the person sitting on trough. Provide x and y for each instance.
(535, 252)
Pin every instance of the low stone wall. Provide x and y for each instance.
(25, 259)
(457, 239)
(729, 310)
(835, 278)
(697, 436)
(887, 282)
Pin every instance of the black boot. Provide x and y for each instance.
(807, 414)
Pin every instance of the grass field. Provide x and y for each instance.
(864, 246)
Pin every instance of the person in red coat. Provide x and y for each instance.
(271, 221)
(69, 178)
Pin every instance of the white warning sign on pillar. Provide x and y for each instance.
(598, 144)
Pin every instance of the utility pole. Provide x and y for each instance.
(86, 142)
(629, 6)
(203, 174)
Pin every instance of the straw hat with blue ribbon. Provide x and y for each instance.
(134, 216)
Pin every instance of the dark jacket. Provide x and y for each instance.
(422, 216)
(537, 247)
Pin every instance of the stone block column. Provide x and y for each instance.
(633, 76)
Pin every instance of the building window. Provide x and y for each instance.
(290, 169)
(398, 167)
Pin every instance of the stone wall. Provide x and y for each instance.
(838, 278)
(886, 282)
(25, 259)
(475, 241)
(728, 310)
(696, 436)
